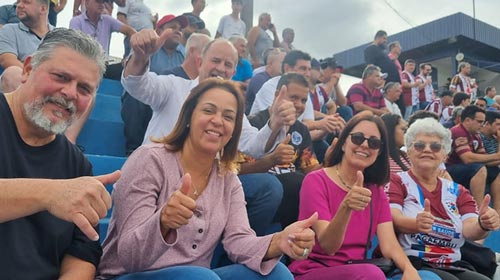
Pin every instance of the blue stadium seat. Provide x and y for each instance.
(110, 87)
(103, 132)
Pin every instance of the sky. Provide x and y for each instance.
(324, 27)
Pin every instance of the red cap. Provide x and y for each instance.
(183, 21)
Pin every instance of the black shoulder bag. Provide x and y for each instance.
(386, 265)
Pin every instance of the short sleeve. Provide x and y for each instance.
(466, 203)
(460, 141)
(384, 211)
(85, 249)
(7, 40)
(314, 197)
(396, 192)
(116, 25)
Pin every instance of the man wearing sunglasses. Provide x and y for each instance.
(468, 163)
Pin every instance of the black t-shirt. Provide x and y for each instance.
(375, 55)
(34, 246)
(300, 139)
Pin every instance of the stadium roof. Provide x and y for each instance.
(444, 37)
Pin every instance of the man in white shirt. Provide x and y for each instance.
(442, 106)
(230, 25)
(166, 94)
(299, 62)
(392, 92)
(409, 88)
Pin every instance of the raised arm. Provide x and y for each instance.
(144, 43)
(331, 234)
(252, 36)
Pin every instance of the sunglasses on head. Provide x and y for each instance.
(357, 138)
(434, 146)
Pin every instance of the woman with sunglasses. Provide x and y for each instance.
(349, 197)
(433, 216)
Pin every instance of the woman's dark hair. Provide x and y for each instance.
(175, 140)
(422, 114)
(378, 172)
(391, 121)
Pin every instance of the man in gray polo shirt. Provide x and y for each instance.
(19, 40)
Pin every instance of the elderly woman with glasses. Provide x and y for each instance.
(349, 197)
(433, 216)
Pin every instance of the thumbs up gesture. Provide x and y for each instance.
(297, 239)
(358, 196)
(282, 111)
(425, 219)
(488, 217)
(179, 208)
(284, 152)
(146, 42)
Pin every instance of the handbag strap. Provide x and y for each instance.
(368, 239)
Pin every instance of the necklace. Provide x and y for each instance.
(197, 190)
(341, 179)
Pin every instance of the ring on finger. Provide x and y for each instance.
(306, 252)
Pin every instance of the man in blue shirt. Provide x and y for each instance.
(8, 14)
(243, 68)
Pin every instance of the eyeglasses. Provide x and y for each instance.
(481, 122)
(434, 146)
(357, 138)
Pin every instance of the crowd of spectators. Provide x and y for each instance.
(227, 137)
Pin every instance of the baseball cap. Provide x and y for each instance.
(194, 20)
(183, 21)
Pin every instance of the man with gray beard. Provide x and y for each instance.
(48, 210)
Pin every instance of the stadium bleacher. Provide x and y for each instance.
(103, 143)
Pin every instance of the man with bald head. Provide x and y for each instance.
(189, 68)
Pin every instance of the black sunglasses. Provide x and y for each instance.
(434, 146)
(357, 138)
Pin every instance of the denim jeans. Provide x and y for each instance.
(135, 116)
(234, 271)
(409, 111)
(263, 194)
(424, 275)
(345, 112)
